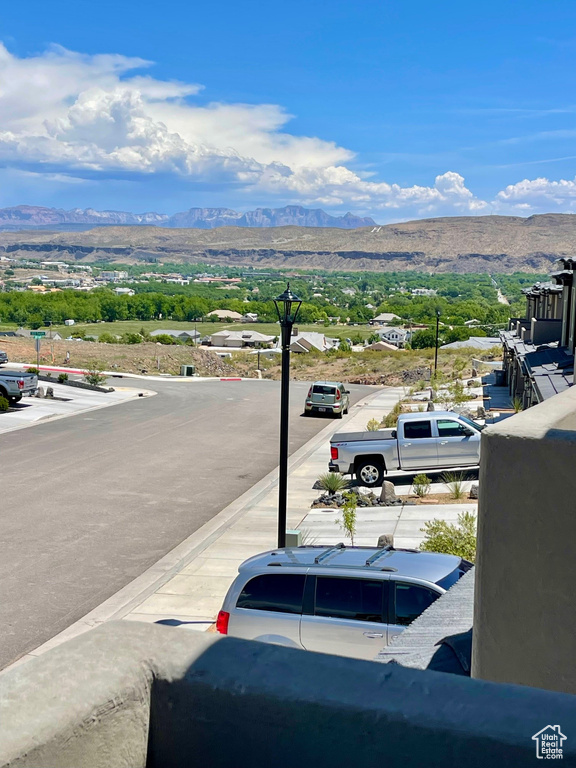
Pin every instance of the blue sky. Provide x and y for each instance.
(397, 110)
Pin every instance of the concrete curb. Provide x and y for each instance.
(133, 594)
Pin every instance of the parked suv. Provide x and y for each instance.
(3, 357)
(327, 397)
(348, 601)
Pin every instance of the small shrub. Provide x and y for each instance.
(348, 521)
(130, 338)
(62, 378)
(94, 377)
(421, 485)
(333, 482)
(107, 338)
(33, 370)
(517, 404)
(454, 481)
(164, 338)
(373, 425)
(391, 419)
(450, 539)
(4, 404)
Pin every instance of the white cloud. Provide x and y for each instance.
(538, 195)
(65, 114)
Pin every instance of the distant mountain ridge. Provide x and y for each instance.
(38, 217)
(454, 244)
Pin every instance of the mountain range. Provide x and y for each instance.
(37, 217)
(457, 244)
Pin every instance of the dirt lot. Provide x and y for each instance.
(409, 367)
(130, 358)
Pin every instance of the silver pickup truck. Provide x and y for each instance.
(14, 384)
(421, 441)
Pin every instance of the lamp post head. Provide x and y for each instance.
(287, 306)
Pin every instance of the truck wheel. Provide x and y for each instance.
(3, 393)
(369, 473)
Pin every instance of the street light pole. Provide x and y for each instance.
(287, 306)
(436, 345)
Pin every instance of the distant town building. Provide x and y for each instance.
(113, 276)
(226, 314)
(383, 318)
(239, 339)
(399, 337)
(423, 292)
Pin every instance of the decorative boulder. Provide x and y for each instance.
(388, 493)
(474, 491)
(386, 540)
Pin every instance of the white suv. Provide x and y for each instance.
(348, 601)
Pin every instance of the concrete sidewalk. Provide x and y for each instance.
(67, 401)
(195, 593)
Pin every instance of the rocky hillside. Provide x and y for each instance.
(463, 244)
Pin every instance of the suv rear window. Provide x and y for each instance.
(278, 592)
(320, 389)
(353, 599)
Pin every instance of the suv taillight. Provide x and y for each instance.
(20, 383)
(222, 622)
(338, 395)
(310, 392)
(333, 452)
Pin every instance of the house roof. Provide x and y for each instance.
(386, 317)
(223, 313)
(243, 336)
(177, 333)
(451, 614)
(306, 339)
(382, 346)
(477, 342)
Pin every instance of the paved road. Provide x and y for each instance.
(90, 502)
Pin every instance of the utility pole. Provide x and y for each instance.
(436, 345)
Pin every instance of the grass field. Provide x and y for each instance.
(134, 326)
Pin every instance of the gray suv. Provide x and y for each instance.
(327, 397)
(348, 601)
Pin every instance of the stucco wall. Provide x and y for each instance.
(524, 617)
(223, 702)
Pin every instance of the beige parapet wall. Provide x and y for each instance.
(525, 614)
(131, 695)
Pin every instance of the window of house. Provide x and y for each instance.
(411, 601)
(448, 428)
(278, 592)
(353, 599)
(417, 430)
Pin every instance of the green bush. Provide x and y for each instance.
(130, 338)
(94, 377)
(164, 338)
(421, 485)
(333, 482)
(107, 338)
(348, 521)
(62, 378)
(450, 539)
(4, 404)
(33, 370)
(373, 425)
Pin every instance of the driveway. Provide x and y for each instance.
(91, 501)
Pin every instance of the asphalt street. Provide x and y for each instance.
(91, 501)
